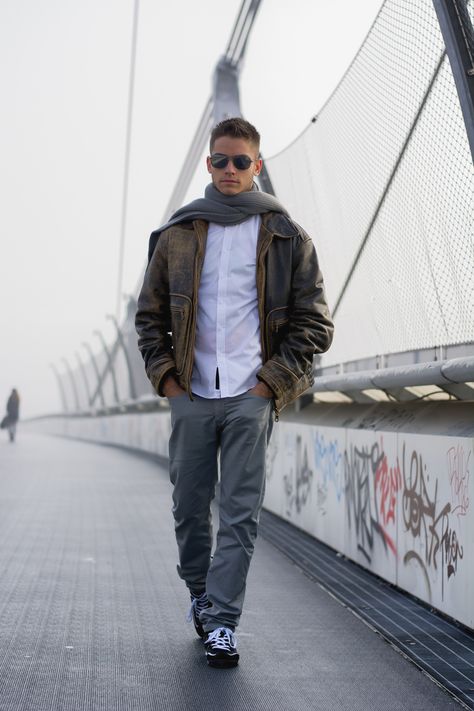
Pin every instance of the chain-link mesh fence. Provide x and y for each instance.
(383, 180)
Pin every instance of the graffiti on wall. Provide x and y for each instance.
(370, 488)
(298, 482)
(458, 472)
(270, 456)
(388, 482)
(402, 502)
(430, 519)
(327, 461)
(362, 477)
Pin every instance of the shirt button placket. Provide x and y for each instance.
(223, 278)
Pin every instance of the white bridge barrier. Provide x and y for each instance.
(399, 504)
(389, 488)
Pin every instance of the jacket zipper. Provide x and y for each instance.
(180, 310)
(277, 323)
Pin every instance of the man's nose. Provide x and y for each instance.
(230, 167)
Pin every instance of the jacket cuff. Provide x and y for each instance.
(158, 376)
(286, 386)
(266, 375)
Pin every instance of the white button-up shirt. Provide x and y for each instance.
(228, 327)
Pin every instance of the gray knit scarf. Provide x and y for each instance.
(222, 209)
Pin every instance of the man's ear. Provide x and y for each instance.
(258, 166)
(208, 163)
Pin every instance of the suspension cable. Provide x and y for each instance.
(126, 171)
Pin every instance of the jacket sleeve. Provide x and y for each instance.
(289, 372)
(152, 320)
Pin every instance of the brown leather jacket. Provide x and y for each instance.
(294, 317)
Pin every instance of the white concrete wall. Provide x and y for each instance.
(148, 432)
(401, 505)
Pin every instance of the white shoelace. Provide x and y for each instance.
(222, 638)
(199, 604)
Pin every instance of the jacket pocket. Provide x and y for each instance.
(276, 328)
(180, 313)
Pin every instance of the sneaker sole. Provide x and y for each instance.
(221, 663)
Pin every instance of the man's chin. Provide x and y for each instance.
(230, 188)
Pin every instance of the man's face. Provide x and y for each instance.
(230, 180)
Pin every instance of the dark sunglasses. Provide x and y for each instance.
(241, 162)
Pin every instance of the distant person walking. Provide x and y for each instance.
(13, 412)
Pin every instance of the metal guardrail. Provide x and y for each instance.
(455, 377)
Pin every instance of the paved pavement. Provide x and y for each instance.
(92, 610)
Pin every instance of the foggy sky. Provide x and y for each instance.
(64, 68)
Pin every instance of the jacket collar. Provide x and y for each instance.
(279, 224)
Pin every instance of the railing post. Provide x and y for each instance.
(133, 392)
(84, 377)
(109, 363)
(73, 383)
(96, 370)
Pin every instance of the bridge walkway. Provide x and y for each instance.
(92, 611)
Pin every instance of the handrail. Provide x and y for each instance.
(447, 372)
(453, 375)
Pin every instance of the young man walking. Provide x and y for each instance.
(231, 312)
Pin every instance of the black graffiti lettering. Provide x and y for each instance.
(360, 467)
(452, 550)
(417, 506)
(431, 528)
(298, 488)
(419, 510)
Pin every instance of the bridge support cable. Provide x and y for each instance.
(237, 44)
(456, 28)
(126, 170)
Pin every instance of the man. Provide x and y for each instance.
(231, 312)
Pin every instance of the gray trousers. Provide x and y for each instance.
(238, 428)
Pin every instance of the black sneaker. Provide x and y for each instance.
(198, 604)
(221, 648)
